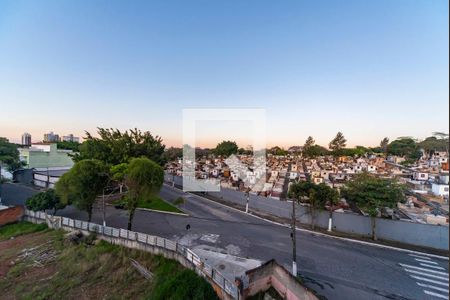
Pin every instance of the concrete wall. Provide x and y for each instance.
(273, 275)
(424, 235)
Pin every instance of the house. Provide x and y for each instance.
(439, 189)
(371, 168)
(317, 180)
(420, 176)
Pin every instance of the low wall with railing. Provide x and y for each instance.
(224, 288)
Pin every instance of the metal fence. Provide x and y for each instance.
(206, 270)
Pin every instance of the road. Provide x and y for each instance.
(335, 268)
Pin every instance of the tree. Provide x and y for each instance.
(314, 151)
(44, 201)
(172, 154)
(83, 183)
(384, 144)
(405, 146)
(371, 194)
(114, 147)
(144, 178)
(338, 143)
(434, 143)
(9, 154)
(316, 195)
(118, 174)
(309, 142)
(68, 145)
(324, 195)
(278, 151)
(226, 148)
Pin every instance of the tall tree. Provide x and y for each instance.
(114, 147)
(226, 148)
(144, 178)
(44, 201)
(384, 145)
(309, 142)
(83, 183)
(372, 193)
(339, 142)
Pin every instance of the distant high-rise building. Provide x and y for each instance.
(71, 138)
(51, 137)
(26, 139)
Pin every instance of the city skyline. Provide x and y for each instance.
(368, 69)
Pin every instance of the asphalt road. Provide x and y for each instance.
(335, 268)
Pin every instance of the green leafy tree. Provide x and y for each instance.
(314, 151)
(83, 183)
(144, 178)
(339, 142)
(324, 195)
(371, 194)
(434, 143)
(316, 195)
(114, 147)
(278, 151)
(405, 146)
(68, 145)
(384, 144)
(9, 155)
(309, 142)
(172, 154)
(44, 201)
(226, 148)
(118, 174)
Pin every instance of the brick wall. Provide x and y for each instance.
(11, 215)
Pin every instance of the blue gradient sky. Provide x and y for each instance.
(368, 68)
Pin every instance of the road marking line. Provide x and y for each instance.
(419, 256)
(426, 261)
(435, 294)
(316, 232)
(432, 287)
(430, 280)
(426, 274)
(430, 266)
(423, 269)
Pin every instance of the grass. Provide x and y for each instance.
(178, 201)
(157, 203)
(17, 229)
(98, 271)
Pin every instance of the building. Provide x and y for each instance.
(51, 137)
(45, 155)
(71, 138)
(26, 139)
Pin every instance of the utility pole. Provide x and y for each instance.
(294, 246)
(247, 194)
(104, 214)
(330, 218)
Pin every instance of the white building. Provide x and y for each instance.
(439, 189)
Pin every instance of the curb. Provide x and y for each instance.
(163, 212)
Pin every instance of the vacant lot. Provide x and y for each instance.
(38, 263)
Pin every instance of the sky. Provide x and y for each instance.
(367, 68)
